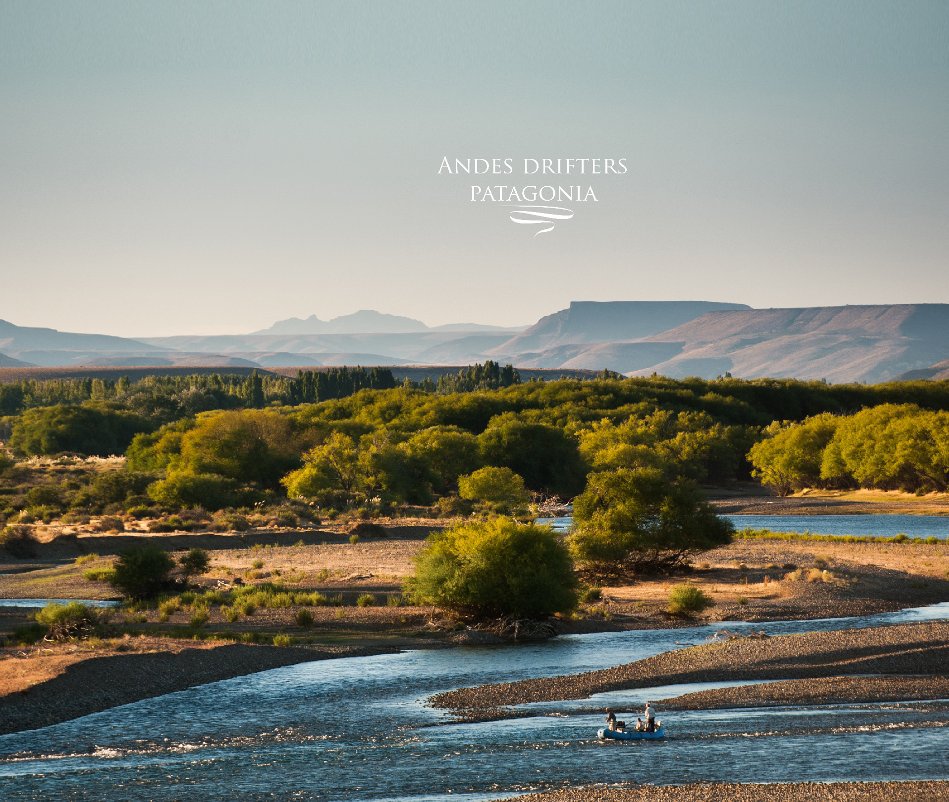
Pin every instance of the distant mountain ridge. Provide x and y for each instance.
(867, 343)
(369, 321)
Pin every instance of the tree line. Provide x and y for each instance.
(888, 447)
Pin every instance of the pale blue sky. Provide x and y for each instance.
(212, 167)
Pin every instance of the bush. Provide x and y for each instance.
(282, 640)
(18, 541)
(64, 621)
(365, 600)
(304, 618)
(495, 568)
(687, 600)
(229, 522)
(498, 489)
(110, 523)
(168, 608)
(368, 529)
(195, 562)
(199, 616)
(185, 489)
(143, 572)
(100, 574)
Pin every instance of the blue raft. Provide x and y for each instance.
(632, 735)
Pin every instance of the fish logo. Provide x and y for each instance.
(546, 216)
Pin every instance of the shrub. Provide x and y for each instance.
(168, 608)
(304, 618)
(494, 568)
(195, 562)
(687, 600)
(143, 572)
(354, 539)
(591, 594)
(199, 616)
(368, 529)
(110, 523)
(73, 620)
(498, 489)
(229, 522)
(18, 541)
(102, 573)
(82, 559)
(365, 600)
(282, 640)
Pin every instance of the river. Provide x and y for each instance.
(358, 729)
(875, 525)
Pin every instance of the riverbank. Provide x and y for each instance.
(48, 685)
(909, 650)
(929, 790)
(749, 499)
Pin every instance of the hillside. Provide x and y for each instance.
(41, 346)
(843, 343)
(606, 321)
(10, 362)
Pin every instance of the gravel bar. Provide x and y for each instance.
(908, 649)
(912, 791)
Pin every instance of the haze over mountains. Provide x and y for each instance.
(674, 338)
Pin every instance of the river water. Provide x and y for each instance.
(358, 729)
(875, 525)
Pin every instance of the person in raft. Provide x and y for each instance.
(612, 723)
(650, 716)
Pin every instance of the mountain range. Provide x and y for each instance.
(675, 338)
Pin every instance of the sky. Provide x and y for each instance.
(212, 167)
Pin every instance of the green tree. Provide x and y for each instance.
(499, 490)
(332, 473)
(90, 431)
(791, 457)
(547, 457)
(495, 568)
(183, 488)
(638, 519)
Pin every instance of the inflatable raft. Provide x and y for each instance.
(631, 735)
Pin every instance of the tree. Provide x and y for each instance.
(790, 458)
(247, 445)
(500, 490)
(495, 568)
(332, 473)
(143, 572)
(546, 456)
(90, 431)
(188, 489)
(638, 519)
